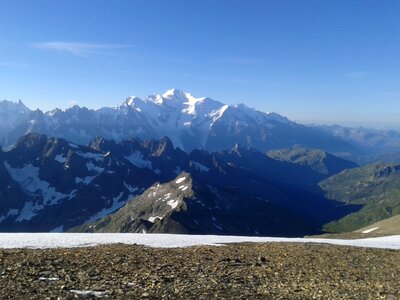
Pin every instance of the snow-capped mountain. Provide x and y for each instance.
(190, 123)
(51, 184)
(12, 115)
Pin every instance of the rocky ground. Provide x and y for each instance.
(240, 271)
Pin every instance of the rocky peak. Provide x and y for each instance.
(31, 140)
(162, 147)
(388, 171)
(102, 144)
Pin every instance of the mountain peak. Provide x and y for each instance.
(174, 93)
(160, 147)
(15, 105)
(102, 144)
(131, 100)
(31, 141)
(190, 122)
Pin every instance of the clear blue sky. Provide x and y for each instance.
(327, 61)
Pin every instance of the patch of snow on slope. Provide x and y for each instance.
(60, 158)
(153, 219)
(92, 167)
(56, 240)
(191, 103)
(29, 210)
(179, 180)
(136, 159)
(10, 213)
(216, 114)
(86, 180)
(91, 155)
(173, 203)
(116, 204)
(28, 179)
(200, 167)
(370, 230)
(131, 188)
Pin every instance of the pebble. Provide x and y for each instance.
(234, 271)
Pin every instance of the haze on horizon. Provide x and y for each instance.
(314, 61)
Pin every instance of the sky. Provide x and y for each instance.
(312, 61)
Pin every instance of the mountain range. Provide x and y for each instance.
(180, 164)
(50, 184)
(370, 193)
(193, 123)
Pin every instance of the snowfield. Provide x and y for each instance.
(57, 240)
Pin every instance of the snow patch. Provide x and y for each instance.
(200, 167)
(153, 219)
(136, 159)
(131, 188)
(29, 211)
(370, 230)
(179, 180)
(56, 240)
(11, 212)
(173, 203)
(91, 155)
(60, 158)
(28, 179)
(216, 114)
(86, 180)
(92, 167)
(116, 204)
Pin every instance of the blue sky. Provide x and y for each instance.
(313, 61)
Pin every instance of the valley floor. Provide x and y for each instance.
(234, 271)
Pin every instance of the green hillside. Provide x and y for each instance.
(376, 187)
(318, 160)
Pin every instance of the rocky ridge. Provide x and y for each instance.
(50, 184)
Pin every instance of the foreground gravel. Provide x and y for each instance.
(234, 271)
